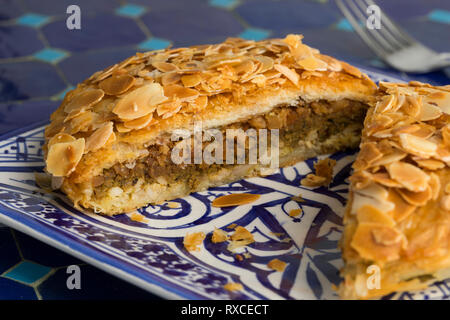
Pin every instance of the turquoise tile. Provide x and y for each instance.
(227, 4)
(32, 20)
(154, 44)
(50, 55)
(442, 16)
(254, 34)
(131, 10)
(27, 272)
(344, 24)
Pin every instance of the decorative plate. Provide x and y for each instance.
(151, 255)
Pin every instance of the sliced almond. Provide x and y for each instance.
(168, 109)
(117, 84)
(59, 138)
(164, 66)
(429, 112)
(394, 156)
(99, 138)
(439, 98)
(417, 146)
(312, 64)
(83, 100)
(139, 123)
(63, 157)
(174, 92)
(170, 78)
(288, 73)
(411, 177)
(266, 63)
(402, 209)
(191, 80)
(140, 102)
(416, 198)
(385, 104)
(430, 164)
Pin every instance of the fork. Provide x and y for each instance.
(392, 44)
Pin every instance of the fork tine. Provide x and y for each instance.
(375, 46)
(392, 30)
(361, 13)
(382, 32)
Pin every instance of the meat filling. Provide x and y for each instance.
(322, 119)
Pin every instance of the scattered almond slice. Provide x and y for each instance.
(235, 199)
(277, 265)
(192, 241)
(416, 198)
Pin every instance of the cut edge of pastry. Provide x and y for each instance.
(397, 221)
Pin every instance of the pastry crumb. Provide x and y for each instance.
(233, 286)
(295, 212)
(240, 238)
(277, 265)
(219, 236)
(193, 240)
(323, 174)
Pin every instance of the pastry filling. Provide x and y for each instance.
(304, 126)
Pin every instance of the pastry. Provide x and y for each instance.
(397, 221)
(109, 145)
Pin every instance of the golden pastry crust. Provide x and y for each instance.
(398, 215)
(114, 116)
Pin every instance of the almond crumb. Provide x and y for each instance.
(193, 240)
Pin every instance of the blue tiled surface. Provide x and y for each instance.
(40, 59)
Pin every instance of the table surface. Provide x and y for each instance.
(41, 59)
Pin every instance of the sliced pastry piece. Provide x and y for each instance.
(110, 144)
(397, 221)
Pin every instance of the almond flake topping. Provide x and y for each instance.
(411, 177)
(288, 73)
(63, 157)
(140, 102)
(139, 123)
(417, 146)
(117, 84)
(99, 138)
(84, 100)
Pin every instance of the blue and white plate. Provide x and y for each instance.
(151, 255)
